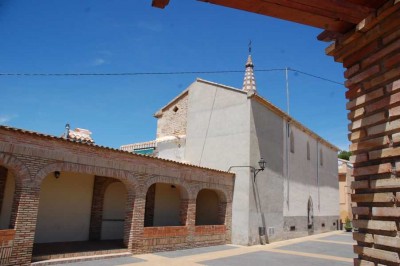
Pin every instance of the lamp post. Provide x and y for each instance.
(261, 163)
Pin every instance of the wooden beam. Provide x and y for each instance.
(296, 12)
(336, 9)
(160, 3)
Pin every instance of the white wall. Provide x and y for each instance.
(217, 136)
(64, 208)
(266, 194)
(167, 205)
(307, 178)
(8, 199)
(114, 211)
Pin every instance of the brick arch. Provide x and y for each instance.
(19, 169)
(185, 196)
(222, 192)
(125, 177)
(185, 191)
(224, 200)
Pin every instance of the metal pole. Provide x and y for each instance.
(287, 90)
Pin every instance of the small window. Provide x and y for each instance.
(291, 142)
(308, 150)
(175, 109)
(321, 158)
(293, 228)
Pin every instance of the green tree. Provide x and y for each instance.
(345, 155)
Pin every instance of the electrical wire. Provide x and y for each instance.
(164, 73)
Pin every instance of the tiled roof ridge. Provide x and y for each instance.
(29, 132)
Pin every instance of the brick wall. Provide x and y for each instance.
(172, 119)
(6, 245)
(371, 56)
(31, 157)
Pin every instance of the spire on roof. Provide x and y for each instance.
(249, 82)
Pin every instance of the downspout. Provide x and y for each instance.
(287, 162)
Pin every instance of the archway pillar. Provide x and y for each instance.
(24, 223)
(188, 218)
(137, 225)
(371, 56)
(96, 216)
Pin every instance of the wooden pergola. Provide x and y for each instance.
(365, 36)
(335, 17)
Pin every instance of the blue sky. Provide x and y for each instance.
(104, 36)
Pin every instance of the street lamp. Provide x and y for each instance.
(261, 163)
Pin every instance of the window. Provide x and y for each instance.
(321, 157)
(308, 150)
(175, 109)
(291, 142)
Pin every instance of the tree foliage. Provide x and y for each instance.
(345, 155)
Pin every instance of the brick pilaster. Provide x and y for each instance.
(371, 56)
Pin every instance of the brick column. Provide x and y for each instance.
(25, 225)
(371, 55)
(3, 180)
(189, 211)
(96, 216)
(226, 209)
(130, 205)
(137, 225)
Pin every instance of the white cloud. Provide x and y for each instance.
(6, 118)
(99, 62)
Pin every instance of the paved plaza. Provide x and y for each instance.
(334, 248)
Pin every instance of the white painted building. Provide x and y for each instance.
(221, 127)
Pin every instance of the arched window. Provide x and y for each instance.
(308, 150)
(291, 142)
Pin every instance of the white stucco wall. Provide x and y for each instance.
(307, 178)
(173, 149)
(7, 201)
(114, 211)
(226, 128)
(166, 205)
(64, 208)
(266, 194)
(217, 136)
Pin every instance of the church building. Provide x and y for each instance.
(286, 175)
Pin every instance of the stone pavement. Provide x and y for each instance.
(333, 248)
